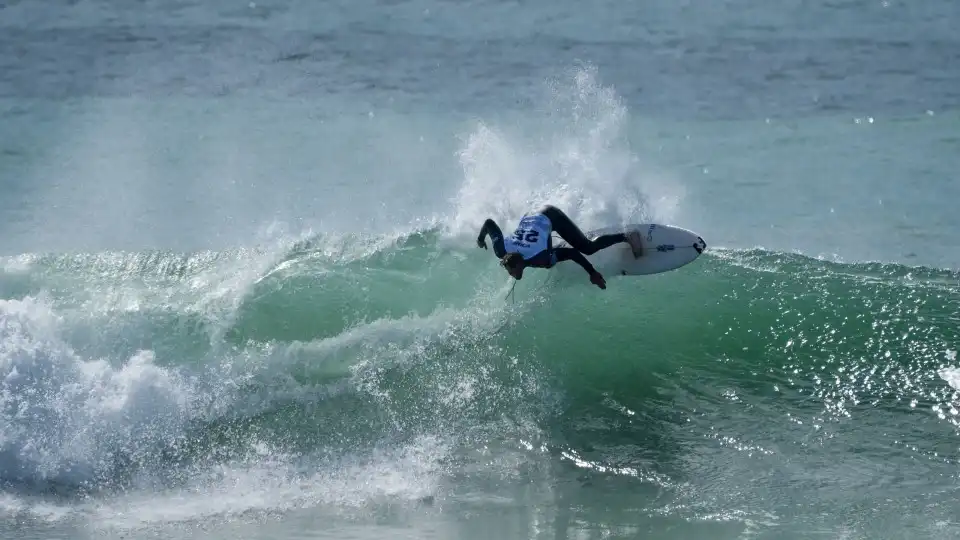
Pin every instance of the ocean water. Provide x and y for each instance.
(240, 295)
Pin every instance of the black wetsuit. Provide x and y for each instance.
(568, 230)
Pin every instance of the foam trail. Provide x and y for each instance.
(275, 482)
(69, 422)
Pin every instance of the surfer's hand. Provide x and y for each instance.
(597, 279)
(481, 243)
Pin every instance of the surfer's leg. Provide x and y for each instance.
(569, 231)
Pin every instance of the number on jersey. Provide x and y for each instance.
(529, 236)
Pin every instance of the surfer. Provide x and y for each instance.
(531, 244)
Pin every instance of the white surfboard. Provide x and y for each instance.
(665, 248)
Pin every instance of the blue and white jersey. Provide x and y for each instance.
(531, 236)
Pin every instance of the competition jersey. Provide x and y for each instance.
(531, 236)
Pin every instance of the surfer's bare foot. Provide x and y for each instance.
(636, 244)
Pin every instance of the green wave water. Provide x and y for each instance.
(727, 391)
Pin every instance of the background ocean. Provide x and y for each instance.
(240, 295)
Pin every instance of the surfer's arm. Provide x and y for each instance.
(570, 254)
(491, 228)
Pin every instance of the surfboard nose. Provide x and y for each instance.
(700, 245)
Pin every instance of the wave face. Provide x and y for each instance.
(308, 373)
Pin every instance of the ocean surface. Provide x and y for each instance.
(241, 296)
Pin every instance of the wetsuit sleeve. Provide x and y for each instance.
(570, 254)
(496, 236)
